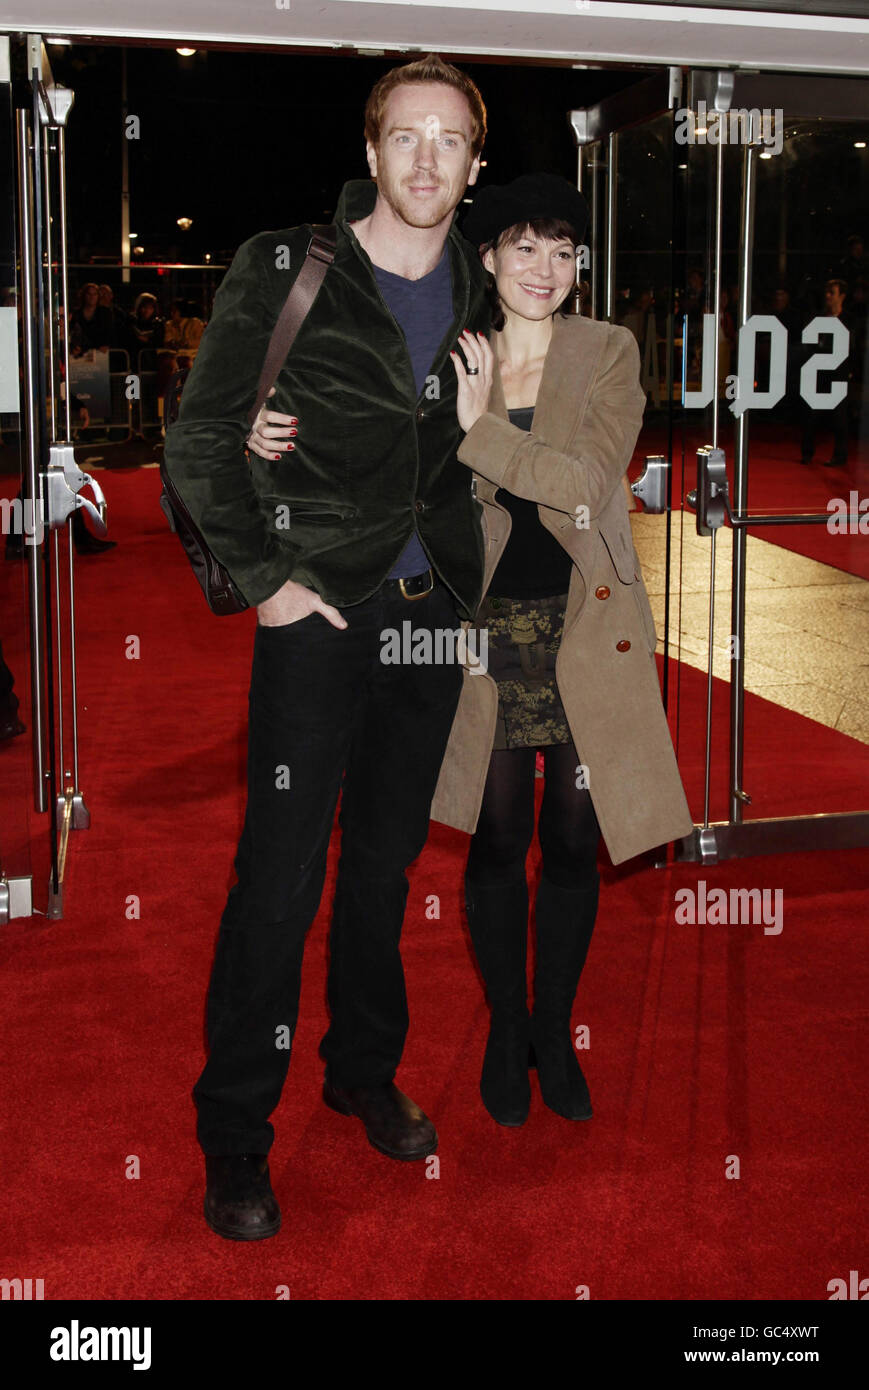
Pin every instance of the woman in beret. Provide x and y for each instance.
(551, 407)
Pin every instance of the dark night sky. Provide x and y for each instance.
(245, 141)
(242, 142)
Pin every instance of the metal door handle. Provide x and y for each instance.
(62, 484)
(651, 486)
(97, 513)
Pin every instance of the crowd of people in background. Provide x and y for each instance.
(98, 322)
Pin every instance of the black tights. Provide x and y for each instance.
(568, 829)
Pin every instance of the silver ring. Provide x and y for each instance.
(472, 371)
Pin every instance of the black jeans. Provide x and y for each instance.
(324, 707)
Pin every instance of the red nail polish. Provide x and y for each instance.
(293, 420)
(294, 431)
(291, 446)
(277, 456)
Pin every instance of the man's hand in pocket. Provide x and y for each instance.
(291, 603)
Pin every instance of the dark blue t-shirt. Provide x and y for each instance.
(423, 310)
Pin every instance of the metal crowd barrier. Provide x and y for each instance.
(148, 411)
(118, 428)
(131, 413)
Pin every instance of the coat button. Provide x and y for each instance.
(420, 413)
(419, 506)
(623, 646)
(602, 591)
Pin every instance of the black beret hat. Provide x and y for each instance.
(499, 206)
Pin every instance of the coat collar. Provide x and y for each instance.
(356, 200)
(558, 407)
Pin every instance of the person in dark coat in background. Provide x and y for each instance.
(835, 292)
(145, 328)
(92, 323)
(119, 317)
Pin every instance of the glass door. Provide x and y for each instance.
(773, 302)
(39, 583)
(726, 228)
(16, 748)
(643, 286)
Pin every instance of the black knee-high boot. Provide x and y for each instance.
(498, 923)
(565, 922)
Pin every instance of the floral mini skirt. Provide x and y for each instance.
(523, 636)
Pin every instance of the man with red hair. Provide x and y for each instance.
(383, 527)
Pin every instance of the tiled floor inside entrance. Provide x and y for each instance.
(807, 624)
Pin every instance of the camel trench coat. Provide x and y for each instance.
(588, 415)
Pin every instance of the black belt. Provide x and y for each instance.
(413, 588)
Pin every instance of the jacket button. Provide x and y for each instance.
(623, 646)
(602, 591)
(419, 506)
(420, 413)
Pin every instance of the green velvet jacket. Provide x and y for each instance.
(372, 460)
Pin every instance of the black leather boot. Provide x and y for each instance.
(394, 1123)
(239, 1202)
(86, 543)
(565, 922)
(498, 923)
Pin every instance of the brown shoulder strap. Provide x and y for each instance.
(318, 258)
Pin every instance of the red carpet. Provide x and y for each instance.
(706, 1041)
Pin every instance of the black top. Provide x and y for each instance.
(533, 564)
(95, 332)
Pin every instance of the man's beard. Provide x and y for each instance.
(410, 210)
